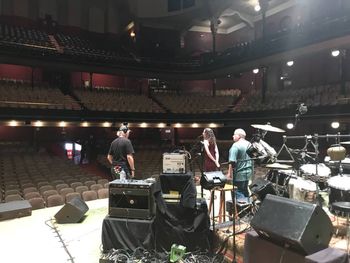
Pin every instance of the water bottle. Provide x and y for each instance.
(122, 175)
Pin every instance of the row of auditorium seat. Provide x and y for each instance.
(44, 180)
(22, 95)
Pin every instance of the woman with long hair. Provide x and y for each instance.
(211, 157)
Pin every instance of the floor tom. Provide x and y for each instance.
(302, 190)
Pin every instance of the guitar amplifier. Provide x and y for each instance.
(209, 180)
(131, 199)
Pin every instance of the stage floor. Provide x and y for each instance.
(33, 239)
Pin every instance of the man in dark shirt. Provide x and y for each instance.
(120, 154)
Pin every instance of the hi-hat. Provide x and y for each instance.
(267, 127)
(279, 166)
(348, 142)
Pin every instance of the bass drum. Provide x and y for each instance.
(302, 190)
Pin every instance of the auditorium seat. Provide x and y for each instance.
(63, 192)
(37, 203)
(14, 197)
(81, 189)
(74, 185)
(95, 187)
(102, 181)
(61, 186)
(89, 195)
(89, 183)
(103, 193)
(71, 196)
(31, 195)
(48, 193)
(44, 188)
(29, 190)
(55, 200)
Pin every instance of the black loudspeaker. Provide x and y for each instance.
(15, 209)
(209, 180)
(261, 188)
(72, 212)
(300, 226)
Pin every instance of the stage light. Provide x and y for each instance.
(290, 126)
(195, 125)
(335, 53)
(257, 8)
(106, 124)
(13, 123)
(256, 71)
(213, 125)
(62, 124)
(144, 125)
(178, 125)
(132, 34)
(161, 125)
(290, 63)
(335, 125)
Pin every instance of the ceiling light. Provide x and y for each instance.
(290, 63)
(290, 126)
(38, 123)
(132, 34)
(144, 125)
(335, 53)
(195, 125)
(106, 124)
(13, 123)
(335, 125)
(161, 125)
(178, 125)
(212, 125)
(85, 124)
(256, 71)
(257, 8)
(62, 124)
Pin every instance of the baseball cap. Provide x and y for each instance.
(123, 128)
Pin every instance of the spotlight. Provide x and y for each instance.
(335, 125)
(256, 71)
(257, 8)
(85, 124)
(335, 53)
(38, 124)
(62, 124)
(195, 125)
(290, 126)
(144, 125)
(290, 63)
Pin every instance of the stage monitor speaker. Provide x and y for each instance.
(15, 209)
(209, 180)
(261, 187)
(72, 212)
(300, 226)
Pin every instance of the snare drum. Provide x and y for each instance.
(302, 190)
(308, 171)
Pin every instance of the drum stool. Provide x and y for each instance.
(344, 207)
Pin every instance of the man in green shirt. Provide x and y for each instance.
(240, 167)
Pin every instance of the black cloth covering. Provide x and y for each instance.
(185, 222)
(124, 233)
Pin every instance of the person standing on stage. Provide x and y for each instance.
(120, 154)
(240, 166)
(211, 157)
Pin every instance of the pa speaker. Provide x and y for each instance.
(72, 212)
(300, 226)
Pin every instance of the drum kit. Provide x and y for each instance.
(301, 177)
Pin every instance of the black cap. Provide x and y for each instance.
(124, 128)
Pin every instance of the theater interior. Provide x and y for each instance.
(73, 72)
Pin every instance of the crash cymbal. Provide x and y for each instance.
(267, 127)
(348, 142)
(278, 166)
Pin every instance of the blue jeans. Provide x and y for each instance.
(241, 191)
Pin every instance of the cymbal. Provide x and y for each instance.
(279, 166)
(348, 142)
(267, 127)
